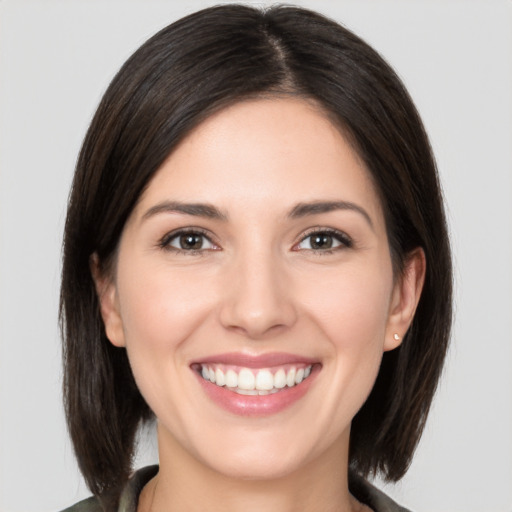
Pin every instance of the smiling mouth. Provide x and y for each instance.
(252, 381)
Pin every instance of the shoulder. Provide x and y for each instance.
(371, 496)
(129, 495)
(88, 505)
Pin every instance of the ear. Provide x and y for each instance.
(405, 298)
(109, 304)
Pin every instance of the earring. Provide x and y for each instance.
(397, 338)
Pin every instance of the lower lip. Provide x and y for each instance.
(257, 405)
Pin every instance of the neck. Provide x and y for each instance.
(185, 483)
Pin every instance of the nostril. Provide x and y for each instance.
(253, 330)
(256, 321)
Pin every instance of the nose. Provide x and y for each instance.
(258, 298)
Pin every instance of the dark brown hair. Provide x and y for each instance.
(180, 76)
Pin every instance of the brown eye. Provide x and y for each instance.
(324, 241)
(187, 241)
(321, 241)
(191, 241)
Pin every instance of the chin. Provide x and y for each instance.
(250, 455)
(260, 468)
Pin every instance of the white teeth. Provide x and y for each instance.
(231, 379)
(255, 382)
(280, 379)
(246, 379)
(219, 377)
(242, 391)
(290, 378)
(264, 380)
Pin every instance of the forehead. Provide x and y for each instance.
(284, 149)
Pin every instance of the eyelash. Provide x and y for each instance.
(344, 240)
(165, 242)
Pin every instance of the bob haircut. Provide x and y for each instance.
(187, 71)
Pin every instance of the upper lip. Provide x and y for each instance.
(255, 361)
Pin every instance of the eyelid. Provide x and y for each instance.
(345, 240)
(164, 242)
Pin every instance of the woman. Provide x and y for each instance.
(255, 255)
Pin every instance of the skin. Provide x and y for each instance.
(257, 286)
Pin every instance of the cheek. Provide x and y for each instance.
(159, 308)
(352, 312)
(351, 306)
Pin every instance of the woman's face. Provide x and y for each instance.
(257, 257)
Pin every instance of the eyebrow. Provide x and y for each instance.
(316, 207)
(196, 209)
(298, 211)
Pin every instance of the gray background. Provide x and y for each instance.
(56, 58)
